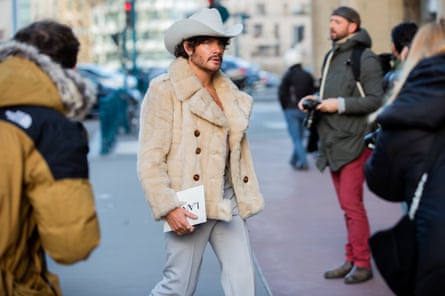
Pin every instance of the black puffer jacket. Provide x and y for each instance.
(409, 126)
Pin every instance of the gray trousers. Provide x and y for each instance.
(231, 244)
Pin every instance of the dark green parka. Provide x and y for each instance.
(341, 134)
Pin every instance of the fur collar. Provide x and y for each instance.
(77, 94)
(237, 105)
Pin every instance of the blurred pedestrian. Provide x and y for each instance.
(341, 126)
(409, 126)
(295, 84)
(193, 132)
(47, 204)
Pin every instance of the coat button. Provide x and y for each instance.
(198, 150)
(245, 179)
(196, 177)
(197, 133)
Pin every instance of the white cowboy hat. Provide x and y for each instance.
(205, 22)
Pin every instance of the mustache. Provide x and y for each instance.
(216, 56)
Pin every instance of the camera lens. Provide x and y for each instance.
(310, 104)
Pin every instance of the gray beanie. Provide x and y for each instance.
(348, 13)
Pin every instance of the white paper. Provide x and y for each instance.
(194, 201)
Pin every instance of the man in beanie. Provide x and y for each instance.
(193, 132)
(343, 122)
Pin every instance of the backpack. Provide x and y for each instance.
(384, 59)
(355, 62)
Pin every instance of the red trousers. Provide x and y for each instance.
(348, 183)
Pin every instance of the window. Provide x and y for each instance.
(261, 9)
(257, 30)
(298, 34)
(276, 31)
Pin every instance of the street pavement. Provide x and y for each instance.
(295, 239)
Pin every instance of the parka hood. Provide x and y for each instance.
(28, 77)
(361, 37)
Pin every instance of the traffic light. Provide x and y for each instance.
(129, 14)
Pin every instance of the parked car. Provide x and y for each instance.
(108, 77)
(269, 79)
(242, 71)
(107, 82)
(153, 72)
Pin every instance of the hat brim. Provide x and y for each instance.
(187, 28)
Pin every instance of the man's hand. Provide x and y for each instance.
(178, 223)
(329, 105)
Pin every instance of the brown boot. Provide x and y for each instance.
(358, 275)
(339, 272)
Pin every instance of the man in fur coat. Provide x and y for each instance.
(193, 132)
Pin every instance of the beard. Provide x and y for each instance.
(336, 36)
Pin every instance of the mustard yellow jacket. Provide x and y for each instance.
(183, 143)
(46, 199)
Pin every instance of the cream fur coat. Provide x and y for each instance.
(183, 143)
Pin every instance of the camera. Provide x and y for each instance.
(371, 138)
(311, 117)
(310, 105)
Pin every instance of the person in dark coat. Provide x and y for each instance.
(295, 84)
(408, 127)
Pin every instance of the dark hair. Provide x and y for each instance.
(386, 60)
(195, 41)
(53, 39)
(403, 34)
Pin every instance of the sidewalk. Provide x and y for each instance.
(301, 232)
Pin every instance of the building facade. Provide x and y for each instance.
(6, 22)
(76, 13)
(271, 28)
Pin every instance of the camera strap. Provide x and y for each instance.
(326, 63)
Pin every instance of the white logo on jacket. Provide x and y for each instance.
(19, 117)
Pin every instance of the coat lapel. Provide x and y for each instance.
(188, 88)
(202, 104)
